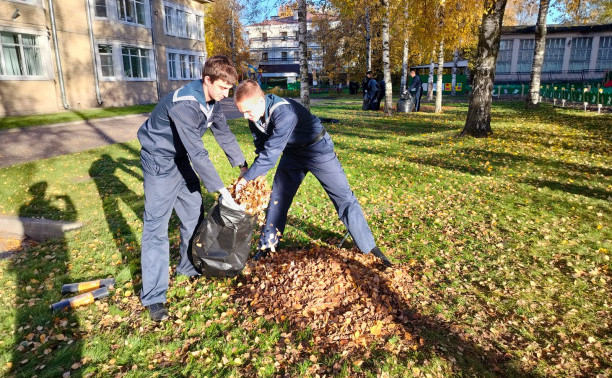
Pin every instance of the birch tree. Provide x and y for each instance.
(439, 89)
(533, 98)
(303, 48)
(385, 58)
(454, 72)
(478, 122)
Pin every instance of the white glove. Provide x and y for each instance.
(226, 200)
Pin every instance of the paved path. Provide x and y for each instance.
(40, 142)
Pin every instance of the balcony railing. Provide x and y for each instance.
(283, 39)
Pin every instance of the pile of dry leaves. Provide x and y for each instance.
(343, 296)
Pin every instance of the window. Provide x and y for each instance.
(183, 22)
(297, 35)
(136, 62)
(283, 36)
(296, 55)
(525, 55)
(185, 65)
(309, 55)
(553, 56)
(504, 57)
(284, 55)
(192, 30)
(200, 27)
(172, 66)
(604, 54)
(580, 56)
(193, 68)
(100, 10)
(106, 60)
(201, 60)
(20, 55)
(264, 37)
(264, 57)
(132, 11)
(170, 20)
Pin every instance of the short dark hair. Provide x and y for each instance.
(220, 67)
(247, 89)
(368, 72)
(413, 70)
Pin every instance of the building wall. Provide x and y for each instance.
(567, 70)
(42, 94)
(31, 95)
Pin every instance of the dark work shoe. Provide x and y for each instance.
(378, 253)
(158, 312)
(261, 254)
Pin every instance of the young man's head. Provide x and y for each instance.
(250, 100)
(369, 74)
(412, 73)
(218, 77)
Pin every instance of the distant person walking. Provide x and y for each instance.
(417, 86)
(373, 90)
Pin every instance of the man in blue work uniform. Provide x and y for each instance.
(171, 155)
(283, 126)
(416, 85)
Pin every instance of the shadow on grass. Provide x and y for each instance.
(112, 191)
(36, 327)
(564, 172)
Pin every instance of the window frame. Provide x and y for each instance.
(580, 55)
(44, 52)
(117, 57)
(95, 6)
(505, 51)
(558, 51)
(185, 22)
(149, 60)
(599, 64)
(188, 64)
(525, 55)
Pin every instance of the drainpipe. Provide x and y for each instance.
(154, 49)
(93, 54)
(58, 61)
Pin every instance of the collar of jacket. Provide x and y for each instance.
(272, 103)
(194, 91)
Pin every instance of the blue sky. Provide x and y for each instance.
(268, 8)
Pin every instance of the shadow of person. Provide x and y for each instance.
(44, 343)
(112, 192)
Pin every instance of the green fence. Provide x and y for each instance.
(576, 93)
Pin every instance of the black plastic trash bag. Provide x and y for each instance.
(221, 244)
(405, 104)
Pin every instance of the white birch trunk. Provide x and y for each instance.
(431, 76)
(302, 35)
(533, 98)
(439, 84)
(368, 40)
(454, 73)
(386, 60)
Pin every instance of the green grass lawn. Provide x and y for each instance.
(11, 122)
(505, 242)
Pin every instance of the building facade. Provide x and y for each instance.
(274, 47)
(75, 54)
(573, 53)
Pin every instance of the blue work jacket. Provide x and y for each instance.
(285, 125)
(175, 129)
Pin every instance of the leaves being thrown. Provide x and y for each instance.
(254, 195)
